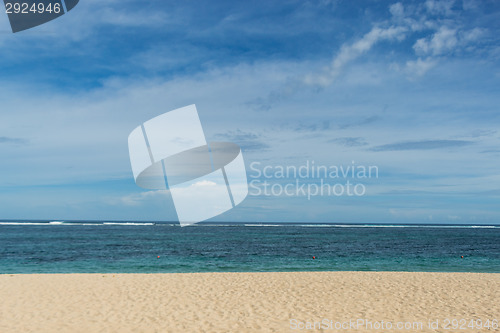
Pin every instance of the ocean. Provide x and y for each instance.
(146, 247)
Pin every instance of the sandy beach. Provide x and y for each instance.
(249, 302)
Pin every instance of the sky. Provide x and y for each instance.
(411, 88)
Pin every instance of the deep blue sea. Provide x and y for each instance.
(133, 247)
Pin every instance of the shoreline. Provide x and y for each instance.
(244, 302)
(246, 272)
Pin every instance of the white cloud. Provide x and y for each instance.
(137, 199)
(349, 52)
(440, 7)
(421, 46)
(83, 137)
(444, 40)
(473, 35)
(420, 66)
(397, 10)
(204, 183)
(470, 4)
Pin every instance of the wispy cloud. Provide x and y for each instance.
(248, 141)
(327, 125)
(9, 140)
(443, 34)
(349, 52)
(478, 133)
(349, 141)
(448, 35)
(420, 66)
(330, 78)
(440, 7)
(361, 122)
(490, 151)
(313, 126)
(137, 199)
(422, 145)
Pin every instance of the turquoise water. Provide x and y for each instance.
(99, 247)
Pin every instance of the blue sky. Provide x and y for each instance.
(411, 87)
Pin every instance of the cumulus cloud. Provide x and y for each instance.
(447, 37)
(444, 40)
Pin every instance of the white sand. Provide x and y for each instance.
(244, 302)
